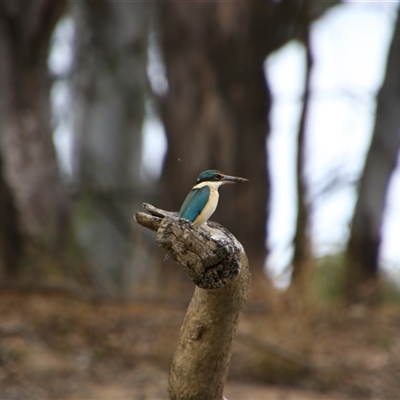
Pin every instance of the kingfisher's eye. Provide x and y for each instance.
(218, 177)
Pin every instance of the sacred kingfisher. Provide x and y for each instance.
(202, 200)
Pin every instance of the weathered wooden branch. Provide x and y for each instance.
(216, 262)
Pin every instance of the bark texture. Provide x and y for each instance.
(11, 238)
(109, 83)
(302, 262)
(216, 108)
(365, 236)
(28, 155)
(215, 260)
(217, 105)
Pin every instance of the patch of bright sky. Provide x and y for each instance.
(350, 45)
(153, 147)
(60, 63)
(154, 140)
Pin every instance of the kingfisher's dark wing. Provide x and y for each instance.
(194, 203)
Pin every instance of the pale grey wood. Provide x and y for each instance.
(216, 262)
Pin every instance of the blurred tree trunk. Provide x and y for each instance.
(11, 237)
(216, 113)
(217, 106)
(302, 262)
(365, 235)
(30, 170)
(109, 82)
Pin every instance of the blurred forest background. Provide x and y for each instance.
(85, 90)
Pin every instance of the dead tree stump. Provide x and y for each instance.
(217, 264)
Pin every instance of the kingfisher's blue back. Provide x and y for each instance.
(194, 203)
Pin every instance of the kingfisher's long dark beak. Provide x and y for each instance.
(233, 179)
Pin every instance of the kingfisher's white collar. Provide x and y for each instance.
(214, 185)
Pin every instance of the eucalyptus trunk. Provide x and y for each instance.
(365, 236)
(216, 111)
(302, 261)
(31, 177)
(109, 81)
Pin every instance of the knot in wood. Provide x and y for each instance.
(209, 256)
